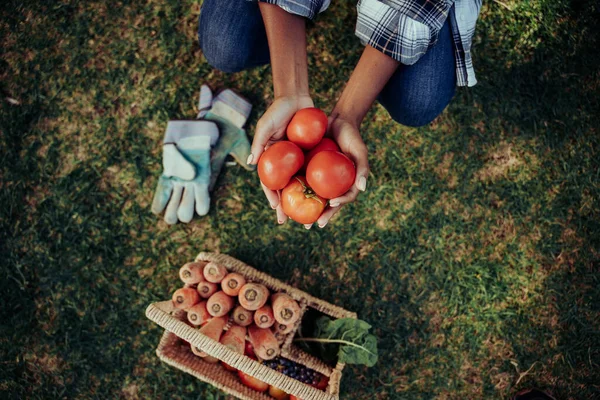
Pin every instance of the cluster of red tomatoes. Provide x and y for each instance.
(308, 168)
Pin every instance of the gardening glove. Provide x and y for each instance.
(183, 185)
(230, 112)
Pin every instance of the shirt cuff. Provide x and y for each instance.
(303, 8)
(392, 32)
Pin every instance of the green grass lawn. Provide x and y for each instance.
(474, 252)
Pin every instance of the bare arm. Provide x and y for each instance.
(286, 34)
(369, 77)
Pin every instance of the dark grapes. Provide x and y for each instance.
(294, 370)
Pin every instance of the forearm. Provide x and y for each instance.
(368, 79)
(286, 34)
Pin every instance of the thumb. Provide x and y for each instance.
(362, 168)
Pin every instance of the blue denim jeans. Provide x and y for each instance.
(233, 38)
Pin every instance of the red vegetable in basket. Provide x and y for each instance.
(323, 382)
(264, 342)
(234, 339)
(198, 314)
(214, 272)
(242, 317)
(184, 298)
(252, 382)
(263, 317)
(253, 296)
(219, 304)
(278, 393)
(249, 351)
(207, 289)
(214, 329)
(232, 283)
(285, 309)
(192, 273)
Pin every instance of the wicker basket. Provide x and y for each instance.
(174, 351)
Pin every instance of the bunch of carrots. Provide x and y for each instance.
(212, 296)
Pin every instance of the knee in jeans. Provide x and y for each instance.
(223, 54)
(418, 113)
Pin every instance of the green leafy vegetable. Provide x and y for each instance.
(349, 338)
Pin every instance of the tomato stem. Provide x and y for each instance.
(308, 192)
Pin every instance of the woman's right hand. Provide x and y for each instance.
(270, 129)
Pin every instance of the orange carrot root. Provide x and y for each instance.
(214, 272)
(235, 338)
(232, 283)
(198, 314)
(263, 317)
(192, 272)
(285, 309)
(207, 289)
(282, 329)
(264, 342)
(219, 304)
(213, 329)
(253, 296)
(242, 317)
(185, 298)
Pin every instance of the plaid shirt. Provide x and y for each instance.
(405, 29)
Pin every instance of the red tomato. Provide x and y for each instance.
(279, 163)
(330, 174)
(252, 382)
(325, 145)
(300, 202)
(323, 382)
(307, 127)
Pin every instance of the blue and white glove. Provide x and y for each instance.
(183, 185)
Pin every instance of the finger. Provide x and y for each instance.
(281, 216)
(162, 195)
(185, 212)
(271, 195)
(308, 226)
(202, 198)
(171, 212)
(327, 215)
(348, 197)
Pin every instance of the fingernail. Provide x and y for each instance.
(307, 226)
(334, 204)
(249, 160)
(362, 184)
(280, 221)
(322, 225)
(273, 206)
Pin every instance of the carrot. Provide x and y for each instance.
(235, 338)
(200, 353)
(242, 317)
(184, 298)
(285, 309)
(232, 283)
(214, 272)
(263, 317)
(219, 304)
(213, 329)
(282, 329)
(206, 289)
(198, 315)
(253, 296)
(192, 272)
(264, 342)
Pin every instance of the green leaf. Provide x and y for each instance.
(349, 337)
